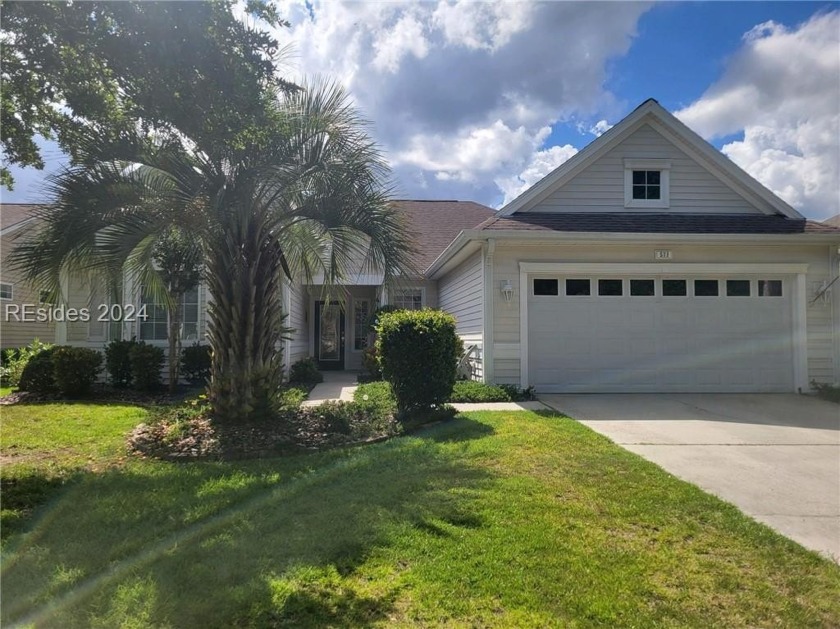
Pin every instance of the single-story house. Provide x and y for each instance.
(649, 262)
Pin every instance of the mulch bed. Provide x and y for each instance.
(105, 394)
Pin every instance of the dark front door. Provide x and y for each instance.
(329, 335)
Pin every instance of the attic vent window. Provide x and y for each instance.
(646, 183)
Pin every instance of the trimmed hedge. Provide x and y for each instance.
(15, 359)
(146, 364)
(75, 369)
(195, 363)
(118, 363)
(472, 391)
(38, 375)
(305, 371)
(418, 353)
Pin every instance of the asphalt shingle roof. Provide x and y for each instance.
(14, 213)
(655, 223)
(438, 223)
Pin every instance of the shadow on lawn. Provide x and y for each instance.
(261, 543)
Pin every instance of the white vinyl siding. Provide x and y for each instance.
(461, 294)
(821, 363)
(299, 344)
(601, 187)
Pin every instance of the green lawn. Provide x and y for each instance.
(5, 391)
(493, 519)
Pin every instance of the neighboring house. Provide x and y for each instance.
(19, 300)
(649, 262)
(834, 221)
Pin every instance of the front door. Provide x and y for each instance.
(329, 335)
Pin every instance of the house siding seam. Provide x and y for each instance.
(600, 188)
(460, 293)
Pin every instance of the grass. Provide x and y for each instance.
(5, 391)
(492, 519)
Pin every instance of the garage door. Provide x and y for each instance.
(652, 334)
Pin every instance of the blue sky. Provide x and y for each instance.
(480, 100)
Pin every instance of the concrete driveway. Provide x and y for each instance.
(775, 456)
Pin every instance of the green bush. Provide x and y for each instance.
(418, 353)
(471, 391)
(195, 363)
(305, 371)
(290, 399)
(14, 361)
(370, 361)
(118, 363)
(376, 397)
(146, 364)
(38, 375)
(828, 392)
(349, 419)
(75, 369)
(373, 321)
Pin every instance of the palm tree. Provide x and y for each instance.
(305, 195)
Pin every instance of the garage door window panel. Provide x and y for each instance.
(642, 288)
(546, 287)
(578, 288)
(770, 288)
(674, 288)
(610, 288)
(737, 288)
(706, 288)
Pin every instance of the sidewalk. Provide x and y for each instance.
(340, 386)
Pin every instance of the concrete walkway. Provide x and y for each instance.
(340, 386)
(337, 386)
(775, 456)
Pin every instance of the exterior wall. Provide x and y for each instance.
(17, 333)
(600, 188)
(820, 316)
(461, 293)
(298, 346)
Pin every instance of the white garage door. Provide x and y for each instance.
(652, 334)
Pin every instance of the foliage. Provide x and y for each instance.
(376, 396)
(370, 361)
(75, 369)
(472, 391)
(373, 320)
(15, 360)
(518, 395)
(195, 363)
(146, 364)
(290, 398)
(828, 392)
(39, 375)
(352, 420)
(194, 67)
(418, 353)
(305, 371)
(118, 363)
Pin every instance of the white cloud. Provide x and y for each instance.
(463, 94)
(541, 164)
(782, 90)
(600, 128)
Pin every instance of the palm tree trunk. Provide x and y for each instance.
(245, 323)
(174, 343)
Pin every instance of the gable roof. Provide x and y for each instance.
(14, 215)
(652, 113)
(438, 223)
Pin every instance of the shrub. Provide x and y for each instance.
(118, 363)
(291, 398)
(305, 371)
(370, 361)
(75, 369)
(14, 361)
(828, 392)
(146, 364)
(195, 363)
(418, 353)
(38, 375)
(373, 321)
(472, 391)
(348, 420)
(376, 397)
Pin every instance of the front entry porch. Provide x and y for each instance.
(337, 386)
(338, 327)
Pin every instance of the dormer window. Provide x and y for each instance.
(646, 183)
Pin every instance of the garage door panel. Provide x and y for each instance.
(660, 343)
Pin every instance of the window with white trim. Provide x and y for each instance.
(407, 298)
(6, 291)
(155, 327)
(647, 183)
(361, 314)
